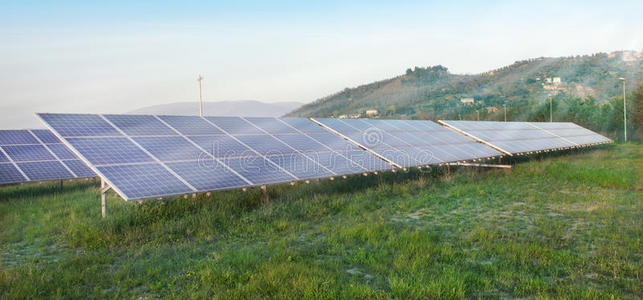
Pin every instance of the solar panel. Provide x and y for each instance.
(45, 170)
(143, 180)
(10, 174)
(409, 143)
(144, 156)
(79, 125)
(304, 140)
(34, 155)
(520, 137)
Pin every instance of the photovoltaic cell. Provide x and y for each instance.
(3, 158)
(519, 137)
(79, 168)
(258, 170)
(44, 170)
(189, 125)
(28, 153)
(46, 136)
(265, 144)
(304, 125)
(271, 125)
(61, 151)
(410, 143)
(34, 156)
(137, 125)
(207, 175)
(69, 125)
(144, 180)
(336, 162)
(171, 148)
(301, 142)
(300, 166)
(234, 125)
(9, 174)
(16, 137)
(367, 160)
(221, 146)
(333, 141)
(109, 150)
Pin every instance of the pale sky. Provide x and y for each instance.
(64, 56)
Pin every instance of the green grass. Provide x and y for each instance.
(553, 227)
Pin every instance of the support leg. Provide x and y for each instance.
(104, 188)
(60, 185)
(264, 195)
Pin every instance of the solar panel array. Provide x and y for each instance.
(521, 137)
(410, 143)
(37, 155)
(145, 156)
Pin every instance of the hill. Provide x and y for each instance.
(247, 108)
(552, 227)
(434, 92)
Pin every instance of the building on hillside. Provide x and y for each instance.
(556, 80)
(492, 109)
(467, 100)
(342, 117)
(371, 112)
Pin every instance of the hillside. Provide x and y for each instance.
(247, 108)
(434, 92)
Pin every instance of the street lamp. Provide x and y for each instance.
(624, 111)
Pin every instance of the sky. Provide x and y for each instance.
(115, 57)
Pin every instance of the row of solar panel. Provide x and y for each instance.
(145, 156)
(521, 137)
(410, 143)
(151, 156)
(34, 155)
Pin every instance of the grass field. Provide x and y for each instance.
(560, 227)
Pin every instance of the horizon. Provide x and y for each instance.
(118, 57)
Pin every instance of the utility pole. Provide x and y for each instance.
(505, 106)
(624, 112)
(478, 112)
(551, 118)
(199, 79)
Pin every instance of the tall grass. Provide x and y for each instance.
(565, 226)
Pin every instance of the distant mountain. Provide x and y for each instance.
(247, 108)
(434, 92)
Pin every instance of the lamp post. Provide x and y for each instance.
(624, 112)
(199, 79)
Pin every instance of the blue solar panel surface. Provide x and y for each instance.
(79, 125)
(410, 143)
(153, 156)
(45, 170)
(34, 155)
(520, 137)
(207, 175)
(178, 149)
(10, 174)
(143, 180)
